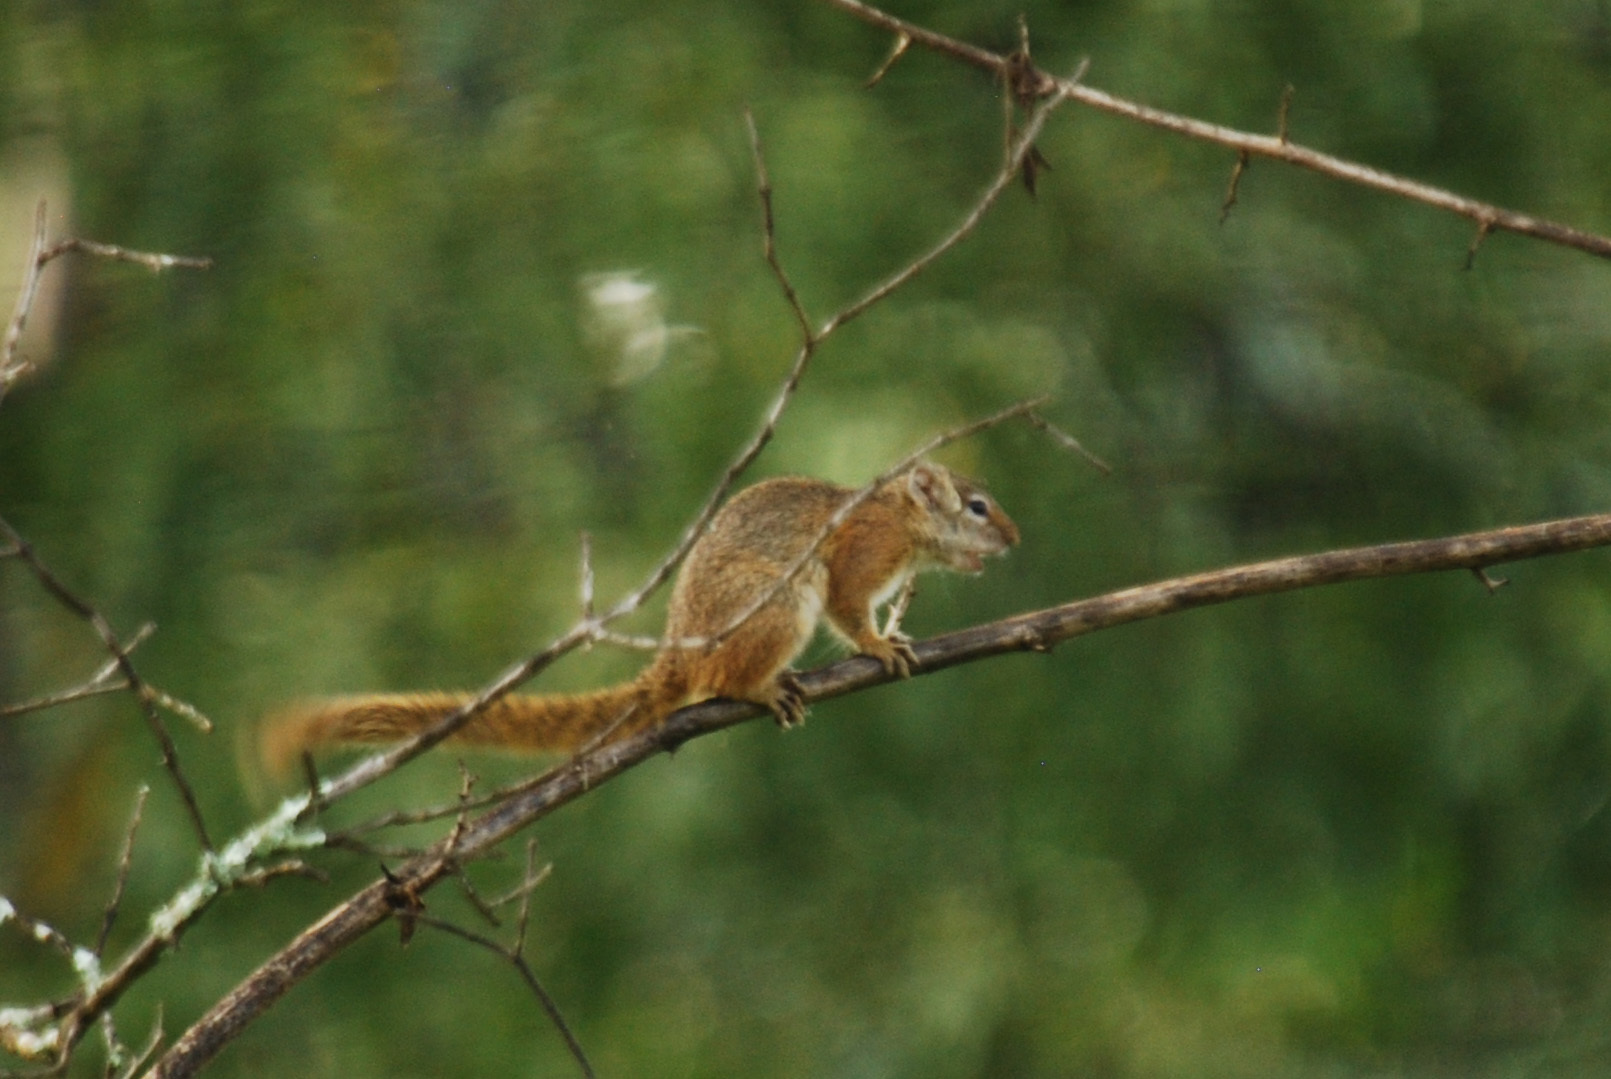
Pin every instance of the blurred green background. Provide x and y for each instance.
(1354, 831)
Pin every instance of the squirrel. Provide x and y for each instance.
(926, 517)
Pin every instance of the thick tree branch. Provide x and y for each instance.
(1033, 631)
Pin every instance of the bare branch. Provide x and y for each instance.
(1015, 161)
(143, 694)
(1276, 147)
(39, 256)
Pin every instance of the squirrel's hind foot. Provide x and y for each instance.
(787, 701)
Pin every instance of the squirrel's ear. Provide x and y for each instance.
(931, 487)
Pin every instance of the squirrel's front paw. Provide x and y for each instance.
(894, 652)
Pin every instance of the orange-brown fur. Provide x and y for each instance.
(927, 517)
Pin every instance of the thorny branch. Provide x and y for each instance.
(1028, 82)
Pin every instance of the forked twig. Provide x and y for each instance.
(514, 953)
(144, 695)
(40, 255)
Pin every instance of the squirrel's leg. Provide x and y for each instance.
(751, 665)
(851, 614)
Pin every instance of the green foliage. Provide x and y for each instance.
(1360, 830)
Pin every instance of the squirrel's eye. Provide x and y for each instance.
(978, 507)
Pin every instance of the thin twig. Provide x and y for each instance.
(154, 261)
(98, 684)
(401, 817)
(769, 247)
(1067, 441)
(43, 932)
(82, 692)
(123, 864)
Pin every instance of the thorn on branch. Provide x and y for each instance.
(1485, 225)
(1025, 84)
(903, 41)
(1029, 171)
(1242, 159)
(405, 903)
(587, 577)
(1492, 584)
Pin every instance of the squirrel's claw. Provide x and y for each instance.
(787, 705)
(895, 653)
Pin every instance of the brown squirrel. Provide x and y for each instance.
(926, 517)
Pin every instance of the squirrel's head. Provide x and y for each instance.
(960, 522)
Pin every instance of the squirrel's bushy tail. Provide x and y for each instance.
(545, 723)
